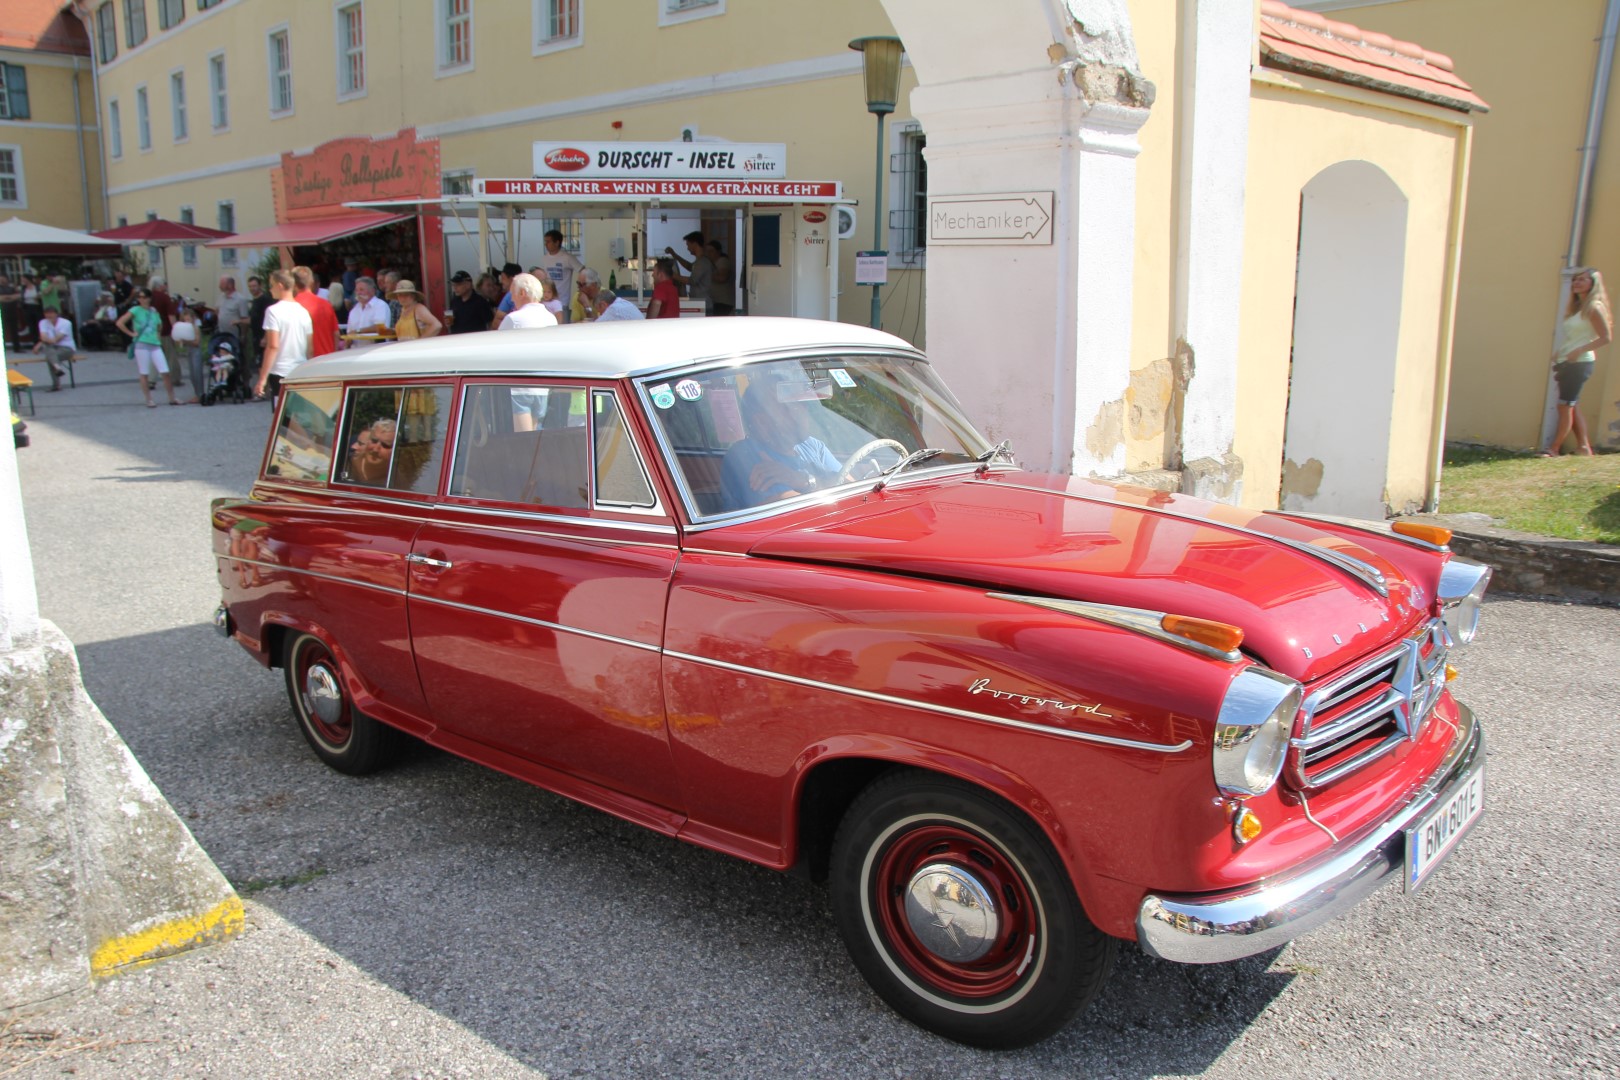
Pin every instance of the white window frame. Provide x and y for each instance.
(904, 253)
(130, 7)
(115, 129)
(143, 119)
(573, 230)
(227, 256)
(340, 30)
(19, 175)
(188, 252)
(675, 12)
(541, 11)
(443, 16)
(219, 102)
(280, 31)
(179, 119)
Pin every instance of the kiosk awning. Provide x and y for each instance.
(314, 231)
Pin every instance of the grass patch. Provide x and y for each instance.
(1572, 498)
(259, 885)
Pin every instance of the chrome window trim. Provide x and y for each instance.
(1363, 572)
(1138, 620)
(560, 519)
(943, 710)
(656, 507)
(1376, 528)
(443, 507)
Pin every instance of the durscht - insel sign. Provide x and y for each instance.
(661, 161)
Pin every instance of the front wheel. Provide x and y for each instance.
(343, 737)
(961, 916)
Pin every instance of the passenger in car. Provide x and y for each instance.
(779, 458)
(371, 452)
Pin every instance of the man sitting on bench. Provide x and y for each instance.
(56, 342)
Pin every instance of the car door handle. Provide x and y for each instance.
(440, 564)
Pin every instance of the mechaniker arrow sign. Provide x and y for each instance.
(1022, 218)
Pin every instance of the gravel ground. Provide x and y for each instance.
(442, 920)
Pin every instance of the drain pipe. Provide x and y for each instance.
(78, 132)
(1583, 187)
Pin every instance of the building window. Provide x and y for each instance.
(455, 35)
(671, 12)
(281, 88)
(459, 182)
(122, 221)
(908, 197)
(115, 129)
(154, 254)
(227, 223)
(220, 111)
(134, 22)
(13, 92)
(188, 252)
(573, 239)
(177, 105)
(351, 37)
(204, 5)
(558, 24)
(143, 119)
(107, 32)
(170, 12)
(12, 191)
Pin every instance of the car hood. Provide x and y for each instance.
(1303, 612)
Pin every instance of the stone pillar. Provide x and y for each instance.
(97, 872)
(1035, 339)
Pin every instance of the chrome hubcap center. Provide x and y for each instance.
(951, 913)
(322, 695)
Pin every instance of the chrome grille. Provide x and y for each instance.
(1358, 717)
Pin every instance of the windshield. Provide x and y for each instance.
(742, 437)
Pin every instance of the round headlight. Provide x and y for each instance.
(1461, 593)
(1251, 734)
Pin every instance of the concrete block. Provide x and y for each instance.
(98, 873)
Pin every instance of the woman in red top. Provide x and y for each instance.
(666, 300)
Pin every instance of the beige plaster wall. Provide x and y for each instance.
(54, 194)
(1533, 63)
(1299, 127)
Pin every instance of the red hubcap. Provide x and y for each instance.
(1010, 933)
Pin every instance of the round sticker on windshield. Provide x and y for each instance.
(689, 389)
(662, 397)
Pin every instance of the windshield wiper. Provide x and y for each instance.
(1001, 449)
(916, 457)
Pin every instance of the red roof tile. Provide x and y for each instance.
(42, 26)
(1306, 43)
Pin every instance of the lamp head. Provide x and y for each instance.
(880, 61)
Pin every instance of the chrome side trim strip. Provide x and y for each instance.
(1377, 528)
(559, 627)
(1363, 572)
(1140, 620)
(311, 573)
(945, 710)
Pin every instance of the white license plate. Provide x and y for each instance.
(1431, 839)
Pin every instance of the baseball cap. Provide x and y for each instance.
(460, 275)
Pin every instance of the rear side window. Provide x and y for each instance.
(302, 448)
(621, 480)
(394, 437)
(525, 444)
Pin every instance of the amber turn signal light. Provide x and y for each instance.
(1245, 825)
(1451, 673)
(1217, 635)
(1437, 535)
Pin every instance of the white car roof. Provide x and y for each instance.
(596, 350)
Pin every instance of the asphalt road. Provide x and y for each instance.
(439, 919)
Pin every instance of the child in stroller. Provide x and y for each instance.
(224, 375)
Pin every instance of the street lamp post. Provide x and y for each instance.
(880, 61)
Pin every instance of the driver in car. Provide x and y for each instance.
(780, 458)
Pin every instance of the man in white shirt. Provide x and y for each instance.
(56, 342)
(287, 330)
(527, 310)
(612, 308)
(369, 313)
(560, 267)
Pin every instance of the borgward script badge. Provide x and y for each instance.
(982, 686)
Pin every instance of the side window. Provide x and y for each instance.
(302, 449)
(525, 444)
(620, 479)
(394, 438)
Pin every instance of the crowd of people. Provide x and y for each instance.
(286, 317)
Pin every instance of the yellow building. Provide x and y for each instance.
(50, 170)
(1535, 64)
(1245, 176)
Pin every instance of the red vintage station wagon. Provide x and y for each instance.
(760, 585)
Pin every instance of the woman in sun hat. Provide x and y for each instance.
(415, 320)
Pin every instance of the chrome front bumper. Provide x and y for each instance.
(1214, 928)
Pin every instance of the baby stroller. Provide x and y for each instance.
(224, 375)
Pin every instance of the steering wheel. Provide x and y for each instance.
(867, 451)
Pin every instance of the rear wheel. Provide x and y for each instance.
(960, 914)
(340, 735)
